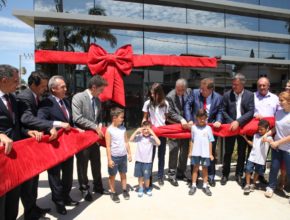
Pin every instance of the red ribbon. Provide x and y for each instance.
(113, 66)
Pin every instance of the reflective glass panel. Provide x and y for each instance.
(205, 18)
(241, 48)
(256, 2)
(241, 22)
(273, 50)
(206, 46)
(47, 5)
(276, 3)
(274, 26)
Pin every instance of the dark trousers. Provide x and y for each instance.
(178, 152)
(91, 154)
(211, 168)
(229, 148)
(28, 194)
(9, 204)
(161, 156)
(60, 180)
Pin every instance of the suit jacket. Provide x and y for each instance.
(247, 107)
(28, 112)
(8, 125)
(176, 110)
(82, 111)
(195, 102)
(49, 109)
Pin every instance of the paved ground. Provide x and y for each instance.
(168, 202)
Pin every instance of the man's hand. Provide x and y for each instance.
(6, 142)
(99, 132)
(65, 125)
(188, 125)
(234, 126)
(258, 116)
(111, 164)
(35, 134)
(129, 157)
(217, 124)
(274, 144)
(53, 134)
(211, 157)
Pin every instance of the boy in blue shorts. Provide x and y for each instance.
(200, 151)
(258, 155)
(145, 139)
(118, 151)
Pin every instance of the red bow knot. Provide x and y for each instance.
(111, 67)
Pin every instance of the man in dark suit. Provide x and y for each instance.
(57, 109)
(86, 110)
(206, 98)
(178, 148)
(28, 101)
(238, 109)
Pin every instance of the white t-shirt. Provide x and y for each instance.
(157, 114)
(282, 126)
(118, 146)
(260, 150)
(201, 138)
(144, 148)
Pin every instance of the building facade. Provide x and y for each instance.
(249, 36)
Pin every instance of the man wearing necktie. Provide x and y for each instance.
(28, 102)
(205, 97)
(238, 109)
(178, 148)
(86, 110)
(56, 108)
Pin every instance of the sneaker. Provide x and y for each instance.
(149, 192)
(207, 191)
(252, 187)
(160, 182)
(247, 189)
(126, 195)
(115, 197)
(192, 191)
(140, 192)
(269, 192)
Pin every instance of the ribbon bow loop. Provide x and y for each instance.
(111, 67)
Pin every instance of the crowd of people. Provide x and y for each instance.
(30, 114)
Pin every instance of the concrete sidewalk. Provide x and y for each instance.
(167, 202)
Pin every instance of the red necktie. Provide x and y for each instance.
(36, 100)
(9, 105)
(63, 109)
(204, 103)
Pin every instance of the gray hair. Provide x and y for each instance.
(240, 77)
(181, 82)
(7, 71)
(52, 81)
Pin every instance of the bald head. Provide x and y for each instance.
(263, 85)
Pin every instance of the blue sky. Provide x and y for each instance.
(16, 38)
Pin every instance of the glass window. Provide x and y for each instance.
(105, 7)
(205, 18)
(241, 48)
(241, 22)
(164, 13)
(276, 3)
(48, 5)
(273, 50)
(256, 2)
(206, 46)
(159, 43)
(274, 26)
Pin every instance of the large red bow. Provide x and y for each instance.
(111, 67)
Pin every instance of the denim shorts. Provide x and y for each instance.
(197, 160)
(120, 165)
(143, 170)
(251, 167)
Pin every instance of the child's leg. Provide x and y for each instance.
(140, 182)
(194, 174)
(112, 183)
(123, 181)
(147, 183)
(204, 174)
(248, 178)
(256, 177)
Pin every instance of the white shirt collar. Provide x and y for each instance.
(240, 93)
(90, 94)
(1, 94)
(56, 98)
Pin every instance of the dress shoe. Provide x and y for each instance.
(43, 218)
(173, 182)
(60, 208)
(181, 177)
(211, 182)
(70, 202)
(263, 180)
(224, 180)
(87, 196)
(160, 182)
(239, 180)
